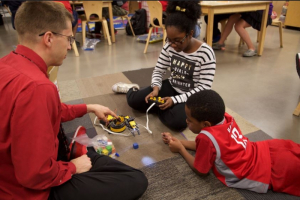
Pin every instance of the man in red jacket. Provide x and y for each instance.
(31, 113)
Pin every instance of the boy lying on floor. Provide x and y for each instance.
(236, 161)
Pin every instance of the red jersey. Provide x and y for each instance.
(30, 113)
(235, 160)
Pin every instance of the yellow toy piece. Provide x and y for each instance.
(105, 152)
(119, 124)
(157, 100)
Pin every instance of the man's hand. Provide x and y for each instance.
(100, 111)
(168, 103)
(82, 164)
(154, 93)
(175, 145)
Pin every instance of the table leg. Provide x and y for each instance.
(263, 29)
(111, 23)
(209, 27)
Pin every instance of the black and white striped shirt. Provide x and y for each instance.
(190, 72)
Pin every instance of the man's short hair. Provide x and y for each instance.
(206, 105)
(34, 18)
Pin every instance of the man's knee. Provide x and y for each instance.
(141, 183)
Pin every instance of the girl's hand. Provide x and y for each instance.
(175, 145)
(168, 103)
(154, 93)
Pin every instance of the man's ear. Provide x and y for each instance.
(207, 124)
(48, 39)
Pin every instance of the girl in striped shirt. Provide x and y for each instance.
(192, 64)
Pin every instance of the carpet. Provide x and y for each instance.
(168, 174)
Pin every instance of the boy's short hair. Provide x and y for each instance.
(34, 18)
(206, 105)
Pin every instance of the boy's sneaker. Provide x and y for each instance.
(77, 149)
(250, 53)
(298, 63)
(124, 87)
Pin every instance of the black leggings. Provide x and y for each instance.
(174, 117)
(107, 179)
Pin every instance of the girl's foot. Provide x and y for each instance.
(218, 46)
(250, 53)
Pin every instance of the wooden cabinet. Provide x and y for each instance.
(292, 17)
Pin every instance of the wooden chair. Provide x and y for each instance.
(155, 12)
(8, 10)
(94, 7)
(277, 7)
(128, 20)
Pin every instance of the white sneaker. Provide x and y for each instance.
(124, 87)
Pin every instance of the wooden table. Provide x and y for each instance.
(106, 4)
(211, 8)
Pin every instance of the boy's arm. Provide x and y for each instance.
(177, 147)
(191, 145)
(190, 160)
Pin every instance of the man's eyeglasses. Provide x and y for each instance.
(70, 38)
(176, 42)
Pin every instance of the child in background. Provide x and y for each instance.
(236, 161)
(192, 66)
(243, 21)
(75, 17)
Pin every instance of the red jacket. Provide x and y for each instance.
(30, 113)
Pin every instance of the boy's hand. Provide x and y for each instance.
(175, 145)
(166, 136)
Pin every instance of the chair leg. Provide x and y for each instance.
(241, 42)
(297, 110)
(104, 23)
(83, 25)
(280, 35)
(223, 24)
(130, 26)
(164, 36)
(8, 10)
(104, 33)
(258, 35)
(148, 39)
(74, 46)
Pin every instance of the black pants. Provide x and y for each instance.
(107, 179)
(174, 117)
(217, 19)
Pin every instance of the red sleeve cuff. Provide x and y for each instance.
(80, 110)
